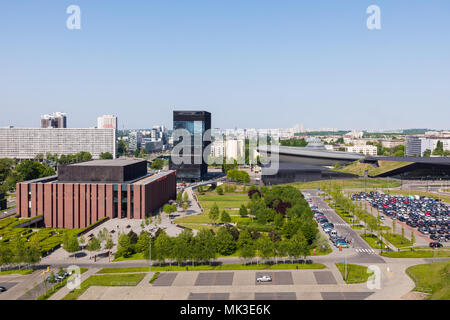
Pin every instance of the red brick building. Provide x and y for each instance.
(86, 192)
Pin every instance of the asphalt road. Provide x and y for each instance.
(365, 254)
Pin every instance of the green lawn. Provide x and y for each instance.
(18, 271)
(355, 273)
(372, 240)
(436, 253)
(106, 281)
(124, 270)
(225, 202)
(397, 240)
(359, 168)
(432, 278)
(136, 256)
(349, 184)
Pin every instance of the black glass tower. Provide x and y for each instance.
(196, 124)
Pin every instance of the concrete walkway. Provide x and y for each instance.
(64, 290)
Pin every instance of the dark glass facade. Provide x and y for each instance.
(196, 123)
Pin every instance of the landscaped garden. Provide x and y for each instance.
(271, 223)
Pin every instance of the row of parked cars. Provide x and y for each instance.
(326, 225)
(60, 276)
(431, 217)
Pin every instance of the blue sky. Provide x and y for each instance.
(250, 63)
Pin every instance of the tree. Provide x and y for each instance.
(225, 242)
(298, 245)
(413, 238)
(93, 245)
(133, 237)
(403, 234)
(169, 208)
(179, 198)
(244, 239)
(163, 247)
(109, 244)
(121, 147)
(427, 153)
(185, 206)
(106, 156)
(71, 245)
(6, 255)
(182, 246)
(185, 197)
(243, 211)
(393, 226)
(278, 221)
(124, 247)
(30, 170)
(247, 251)
(219, 190)
(157, 164)
(206, 245)
(225, 217)
(265, 247)
(143, 244)
(214, 213)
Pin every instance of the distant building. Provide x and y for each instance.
(86, 192)
(197, 123)
(368, 150)
(107, 122)
(417, 145)
(234, 149)
(134, 141)
(27, 143)
(55, 120)
(391, 143)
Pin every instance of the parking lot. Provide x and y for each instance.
(430, 217)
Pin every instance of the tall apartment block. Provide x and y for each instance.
(107, 122)
(83, 193)
(197, 123)
(27, 143)
(55, 120)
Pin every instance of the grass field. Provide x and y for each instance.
(106, 281)
(445, 198)
(432, 278)
(436, 253)
(384, 166)
(397, 240)
(355, 273)
(136, 256)
(18, 271)
(372, 240)
(349, 184)
(227, 202)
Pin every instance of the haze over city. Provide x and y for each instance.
(256, 64)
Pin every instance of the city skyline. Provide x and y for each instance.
(243, 62)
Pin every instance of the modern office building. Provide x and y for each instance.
(197, 124)
(107, 122)
(86, 192)
(134, 141)
(55, 120)
(27, 143)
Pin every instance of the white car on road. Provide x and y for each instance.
(264, 278)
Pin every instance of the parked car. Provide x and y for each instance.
(341, 243)
(435, 245)
(264, 278)
(2, 289)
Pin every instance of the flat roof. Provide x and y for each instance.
(107, 163)
(153, 177)
(313, 153)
